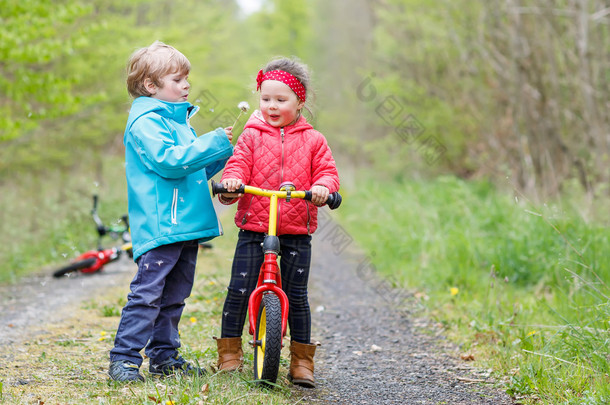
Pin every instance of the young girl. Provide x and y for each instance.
(277, 146)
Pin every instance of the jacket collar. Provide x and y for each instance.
(179, 112)
(257, 121)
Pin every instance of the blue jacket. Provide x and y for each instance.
(167, 168)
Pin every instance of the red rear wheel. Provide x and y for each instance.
(74, 266)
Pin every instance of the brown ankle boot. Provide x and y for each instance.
(301, 364)
(230, 354)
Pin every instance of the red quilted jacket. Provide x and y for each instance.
(266, 157)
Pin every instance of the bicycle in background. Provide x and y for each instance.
(94, 260)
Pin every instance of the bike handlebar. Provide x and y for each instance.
(333, 201)
(101, 229)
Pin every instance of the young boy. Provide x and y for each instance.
(170, 209)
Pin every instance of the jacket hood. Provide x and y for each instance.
(179, 112)
(257, 121)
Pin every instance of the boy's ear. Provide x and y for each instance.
(150, 86)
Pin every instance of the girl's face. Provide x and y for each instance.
(174, 88)
(278, 103)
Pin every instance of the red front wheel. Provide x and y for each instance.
(74, 266)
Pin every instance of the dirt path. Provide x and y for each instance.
(370, 354)
(41, 301)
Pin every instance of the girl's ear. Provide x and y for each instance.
(300, 105)
(150, 86)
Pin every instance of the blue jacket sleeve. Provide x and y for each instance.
(215, 167)
(162, 153)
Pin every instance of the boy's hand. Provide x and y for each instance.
(229, 132)
(319, 195)
(231, 185)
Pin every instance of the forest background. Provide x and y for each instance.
(472, 139)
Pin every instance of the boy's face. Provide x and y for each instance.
(174, 87)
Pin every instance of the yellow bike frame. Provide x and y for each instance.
(274, 196)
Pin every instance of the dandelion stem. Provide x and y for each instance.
(237, 119)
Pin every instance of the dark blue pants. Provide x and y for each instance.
(154, 306)
(295, 261)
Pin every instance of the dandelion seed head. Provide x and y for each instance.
(244, 106)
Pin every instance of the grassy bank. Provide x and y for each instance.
(523, 288)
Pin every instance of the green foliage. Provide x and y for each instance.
(284, 26)
(37, 39)
(471, 232)
(110, 310)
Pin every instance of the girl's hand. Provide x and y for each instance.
(319, 195)
(229, 132)
(231, 185)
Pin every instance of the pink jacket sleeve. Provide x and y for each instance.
(323, 168)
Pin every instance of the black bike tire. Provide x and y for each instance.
(74, 266)
(270, 318)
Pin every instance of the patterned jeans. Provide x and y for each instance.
(295, 259)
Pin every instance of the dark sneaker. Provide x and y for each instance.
(124, 371)
(173, 365)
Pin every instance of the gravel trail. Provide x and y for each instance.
(40, 301)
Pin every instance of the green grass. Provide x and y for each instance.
(524, 287)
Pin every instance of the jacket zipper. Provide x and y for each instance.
(279, 206)
(282, 162)
(174, 213)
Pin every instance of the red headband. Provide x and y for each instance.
(284, 77)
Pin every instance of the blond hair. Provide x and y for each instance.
(153, 62)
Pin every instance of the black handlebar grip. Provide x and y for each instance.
(333, 201)
(125, 219)
(218, 188)
(94, 202)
